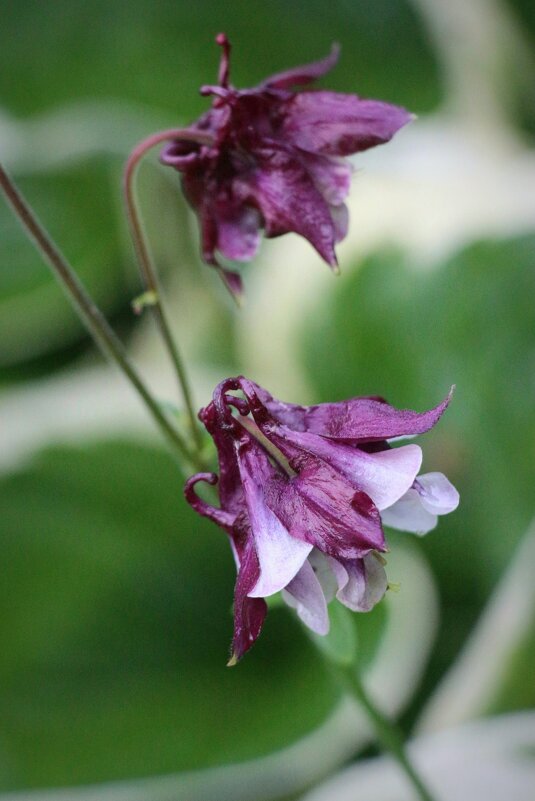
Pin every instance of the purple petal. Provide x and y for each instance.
(408, 514)
(230, 488)
(337, 124)
(298, 76)
(437, 494)
(305, 595)
(279, 554)
(238, 232)
(221, 517)
(385, 476)
(332, 176)
(249, 613)
(233, 283)
(362, 582)
(354, 421)
(289, 201)
(319, 507)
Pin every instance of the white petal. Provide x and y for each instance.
(305, 595)
(322, 568)
(376, 581)
(365, 584)
(280, 555)
(387, 475)
(437, 494)
(408, 514)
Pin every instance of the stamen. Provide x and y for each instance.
(224, 66)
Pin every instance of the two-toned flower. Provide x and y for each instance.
(304, 493)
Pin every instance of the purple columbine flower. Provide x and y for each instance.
(304, 491)
(277, 160)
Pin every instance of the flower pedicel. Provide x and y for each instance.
(276, 161)
(303, 494)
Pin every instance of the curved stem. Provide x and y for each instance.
(388, 734)
(148, 271)
(90, 314)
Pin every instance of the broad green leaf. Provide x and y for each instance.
(115, 628)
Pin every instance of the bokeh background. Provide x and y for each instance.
(115, 599)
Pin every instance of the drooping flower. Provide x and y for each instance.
(303, 494)
(277, 160)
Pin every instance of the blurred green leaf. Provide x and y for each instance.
(408, 335)
(494, 672)
(79, 207)
(160, 54)
(115, 630)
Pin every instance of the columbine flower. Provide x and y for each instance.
(277, 160)
(303, 493)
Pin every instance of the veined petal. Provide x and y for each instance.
(385, 475)
(280, 555)
(305, 594)
(320, 507)
(299, 76)
(437, 494)
(289, 201)
(355, 421)
(338, 124)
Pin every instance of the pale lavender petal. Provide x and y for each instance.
(338, 124)
(408, 514)
(299, 76)
(321, 566)
(340, 218)
(437, 494)
(305, 594)
(362, 582)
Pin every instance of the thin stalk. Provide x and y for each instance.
(94, 320)
(147, 269)
(388, 734)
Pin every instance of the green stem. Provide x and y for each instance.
(90, 314)
(388, 734)
(147, 268)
